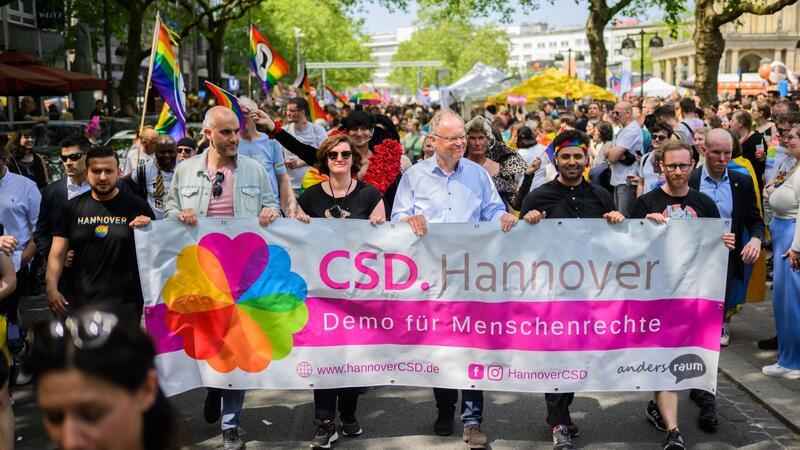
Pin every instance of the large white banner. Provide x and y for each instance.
(562, 306)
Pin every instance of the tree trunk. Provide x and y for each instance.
(595, 26)
(709, 47)
(216, 44)
(129, 83)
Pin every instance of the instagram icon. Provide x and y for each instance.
(475, 371)
(494, 372)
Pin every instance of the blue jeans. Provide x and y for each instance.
(232, 402)
(471, 403)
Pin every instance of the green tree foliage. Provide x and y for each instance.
(452, 39)
(329, 34)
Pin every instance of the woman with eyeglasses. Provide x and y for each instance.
(503, 163)
(23, 161)
(382, 158)
(341, 196)
(96, 385)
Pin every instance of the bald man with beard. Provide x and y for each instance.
(213, 184)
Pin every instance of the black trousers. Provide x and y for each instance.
(558, 408)
(702, 398)
(325, 402)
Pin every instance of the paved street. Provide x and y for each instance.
(400, 417)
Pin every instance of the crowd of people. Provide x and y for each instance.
(635, 159)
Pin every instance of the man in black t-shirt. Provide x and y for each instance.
(674, 200)
(569, 196)
(98, 227)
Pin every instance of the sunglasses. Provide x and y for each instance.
(72, 157)
(333, 156)
(216, 187)
(187, 150)
(89, 330)
(660, 137)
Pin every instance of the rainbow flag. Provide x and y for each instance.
(551, 152)
(340, 97)
(315, 110)
(265, 63)
(169, 124)
(755, 276)
(228, 100)
(166, 77)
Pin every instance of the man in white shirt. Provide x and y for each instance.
(622, 157)
(450, 188)
(304, 131)
(142, 152)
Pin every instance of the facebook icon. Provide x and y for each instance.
(475, 371)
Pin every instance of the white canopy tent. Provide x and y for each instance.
(656, 87)
(478, 78)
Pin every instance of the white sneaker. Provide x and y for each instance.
(726, 335)
(776, 370)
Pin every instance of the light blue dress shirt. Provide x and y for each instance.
(466, 195)
(19, 210)
(719, 192)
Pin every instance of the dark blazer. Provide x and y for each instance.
(54, 196)
(745, 214)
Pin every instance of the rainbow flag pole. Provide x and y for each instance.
(150, 70)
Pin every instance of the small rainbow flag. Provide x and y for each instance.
(265, 63)
(228, 100)
(169, 124)
(340, 97)
(315, 110)
(551, 152)
(165, 76)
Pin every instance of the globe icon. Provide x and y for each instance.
(304, 369)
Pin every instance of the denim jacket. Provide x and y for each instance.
(191, 188)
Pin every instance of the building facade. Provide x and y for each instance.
(774, 38)
(383, 47)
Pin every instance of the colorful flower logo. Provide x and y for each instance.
(235, 302)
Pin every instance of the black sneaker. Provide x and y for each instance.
(561, 438)
(708, 418)
(326, 435)
(673, 440)
(212, 407)
(350, 427)
(231, 439)
(768, 344)
(573, 430)
(654, 416)
(444, 423)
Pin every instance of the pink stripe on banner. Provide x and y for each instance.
(529, 326)
(164, 341)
